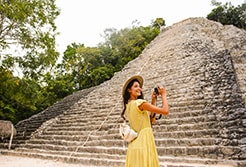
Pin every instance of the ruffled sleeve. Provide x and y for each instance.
(138, 102)
(132, 108)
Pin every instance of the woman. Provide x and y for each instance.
(142, 151)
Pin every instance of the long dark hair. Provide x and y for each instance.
(126, 96)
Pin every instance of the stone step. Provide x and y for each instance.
(99, 135)
(161, 127)
(188, 134)
(111, 128)
(79, 148)
(73, 132)
(76, 124)
(93, 104)
(189, 161)
(82, 118)
(187, 120)
(93, 112)
(31, 125)
(84, 127)
(74, 153)
(103, 142)
(179, 112)
(211, 152)
(162, 142)
(76, 119)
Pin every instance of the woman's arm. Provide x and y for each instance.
(151, 107)
(153, 102)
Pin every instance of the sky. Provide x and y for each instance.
(84, 21)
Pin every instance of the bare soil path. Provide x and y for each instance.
(16, 161)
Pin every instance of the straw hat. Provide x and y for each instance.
(138, 77)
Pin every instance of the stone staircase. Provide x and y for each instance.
(26, 127)
(201, 68)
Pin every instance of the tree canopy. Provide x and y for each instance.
(27, 35)
(228, 14)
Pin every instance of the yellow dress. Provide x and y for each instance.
(142, 151)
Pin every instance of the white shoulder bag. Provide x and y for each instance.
(127, 133)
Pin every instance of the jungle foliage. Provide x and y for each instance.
(227, 14)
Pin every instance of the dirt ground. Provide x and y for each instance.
(15, 161)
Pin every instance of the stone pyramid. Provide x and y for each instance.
(202, 65)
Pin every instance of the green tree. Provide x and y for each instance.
(126, 44)
(19, 98)
(77, 64)
(29, 26)
(57, 87)
(27, 43)
(228, 14)
(158, 23)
